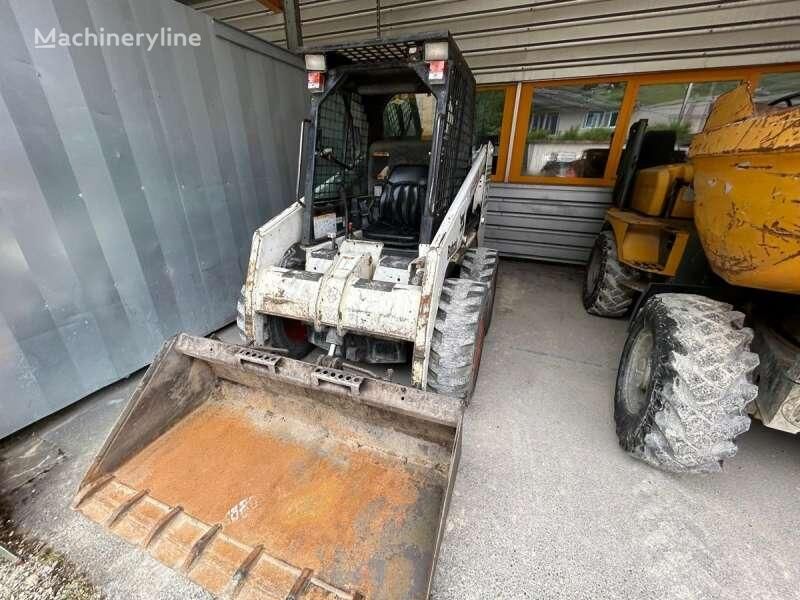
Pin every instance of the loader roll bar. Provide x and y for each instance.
(346, 117)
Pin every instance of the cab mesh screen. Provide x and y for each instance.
(341, 148)
(456, 156)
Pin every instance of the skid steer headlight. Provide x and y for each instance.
(436, 51)
(315, 62)
(436, 54)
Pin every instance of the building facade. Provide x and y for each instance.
(561, 82)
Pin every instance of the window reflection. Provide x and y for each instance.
(489, 107)
(570, 129)
(679, 107)
(409, 116)
(778, 89)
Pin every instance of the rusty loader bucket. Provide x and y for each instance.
(258, 476)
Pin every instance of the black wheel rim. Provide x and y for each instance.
(593, 271)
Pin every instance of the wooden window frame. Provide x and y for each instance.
(514, 150)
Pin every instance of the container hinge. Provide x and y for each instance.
(257, 357)
(337, 377)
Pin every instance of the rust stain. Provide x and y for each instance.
(788, 258)
(264, 580)
(777, 230)
(172, 546)
(734, 218)
(751, 167)
(215, 565)
(138, 522)
(329, 510)
(732, 264)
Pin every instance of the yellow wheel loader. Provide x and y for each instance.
(693, 250)
(259, 475)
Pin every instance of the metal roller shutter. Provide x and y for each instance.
(545, 222)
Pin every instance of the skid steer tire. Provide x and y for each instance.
(286, 334)
(240, 319)
(458, 334)
(605, 286)
(684, 383)
(481, 264)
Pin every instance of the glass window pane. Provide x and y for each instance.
(570, 129)
(682, 107)
(489, 106)
(426, 104)
(409, 116)
(774, 86)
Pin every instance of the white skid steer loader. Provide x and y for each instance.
(381, 260)
(258, 475)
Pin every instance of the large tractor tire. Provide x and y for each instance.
(606, 290)
(684, 383)
(287, 334)
(481, 264)
(458, 334)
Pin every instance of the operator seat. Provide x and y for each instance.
(396, 216)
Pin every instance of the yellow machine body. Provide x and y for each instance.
(747, 194)
(651, 244)
(656, 186)
(743, 200)
(652, 236)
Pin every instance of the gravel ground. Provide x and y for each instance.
(545, 504)
(40, 573)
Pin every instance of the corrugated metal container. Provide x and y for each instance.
(131, 181)
(509, 40)
(545, 222)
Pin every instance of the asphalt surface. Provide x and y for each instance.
(545, 503)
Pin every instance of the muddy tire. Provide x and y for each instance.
(606, 290)
(684, 382)
(458, 337)
(481, 264)
(286, 334)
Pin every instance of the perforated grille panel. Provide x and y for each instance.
(377, 53)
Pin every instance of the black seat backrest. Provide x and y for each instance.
(403, 197)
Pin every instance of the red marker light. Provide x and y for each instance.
(316, 80)
(436, 70)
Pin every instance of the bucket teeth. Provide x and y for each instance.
(125, 507)
(162, 524)
(258, 482)
(300, 584)
(200, 545)
(237, 581)
(90, 489)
